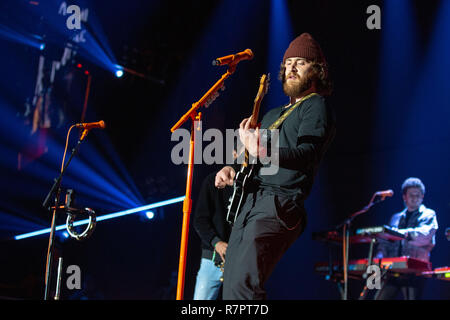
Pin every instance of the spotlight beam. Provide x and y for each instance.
(103, 217)
(144, 76)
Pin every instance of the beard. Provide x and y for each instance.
(295, 88)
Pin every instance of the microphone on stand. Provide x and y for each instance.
(91, 125)
(88, 126)
(233, 59)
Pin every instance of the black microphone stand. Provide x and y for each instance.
(346, 236)
(56, 188)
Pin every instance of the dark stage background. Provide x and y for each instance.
(391, 98)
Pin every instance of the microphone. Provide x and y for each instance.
(385, 193)
(91, 125)
(233, 59)
(88, 126)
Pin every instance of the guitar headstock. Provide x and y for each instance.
(266, 83)
(263, 87)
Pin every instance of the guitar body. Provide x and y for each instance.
(245, 175)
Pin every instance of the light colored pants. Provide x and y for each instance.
(208, 281)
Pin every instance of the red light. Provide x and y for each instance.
(86, 72)
(79, 65)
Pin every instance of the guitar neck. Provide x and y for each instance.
(263, 85)
(255, 113)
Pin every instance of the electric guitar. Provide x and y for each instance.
(244, 175)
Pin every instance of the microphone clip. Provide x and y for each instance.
(84, 134)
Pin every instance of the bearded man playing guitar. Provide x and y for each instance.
(272, 215)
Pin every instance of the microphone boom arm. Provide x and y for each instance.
(196, 105)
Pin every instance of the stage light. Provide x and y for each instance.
(42, 46)
(118, 70)
(119, 73)
(149, 215)
(103, 217)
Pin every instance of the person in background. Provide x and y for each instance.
(213, 229)
(418, 224)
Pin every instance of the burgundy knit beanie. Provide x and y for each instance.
(305, 46)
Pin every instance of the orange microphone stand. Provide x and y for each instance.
(187, 204)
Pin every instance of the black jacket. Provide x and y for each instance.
(210, 216)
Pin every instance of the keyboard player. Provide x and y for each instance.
(419, 224)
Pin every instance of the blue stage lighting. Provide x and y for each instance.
(280, 35)
(149, 215)
(42, 46)
(63, 236)
(103, 217)
(119, 73)
(19, 37)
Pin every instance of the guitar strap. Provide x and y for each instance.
(280, 120)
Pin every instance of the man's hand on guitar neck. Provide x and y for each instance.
(249, 136)
(225, 177)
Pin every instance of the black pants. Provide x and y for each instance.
(265, 228)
